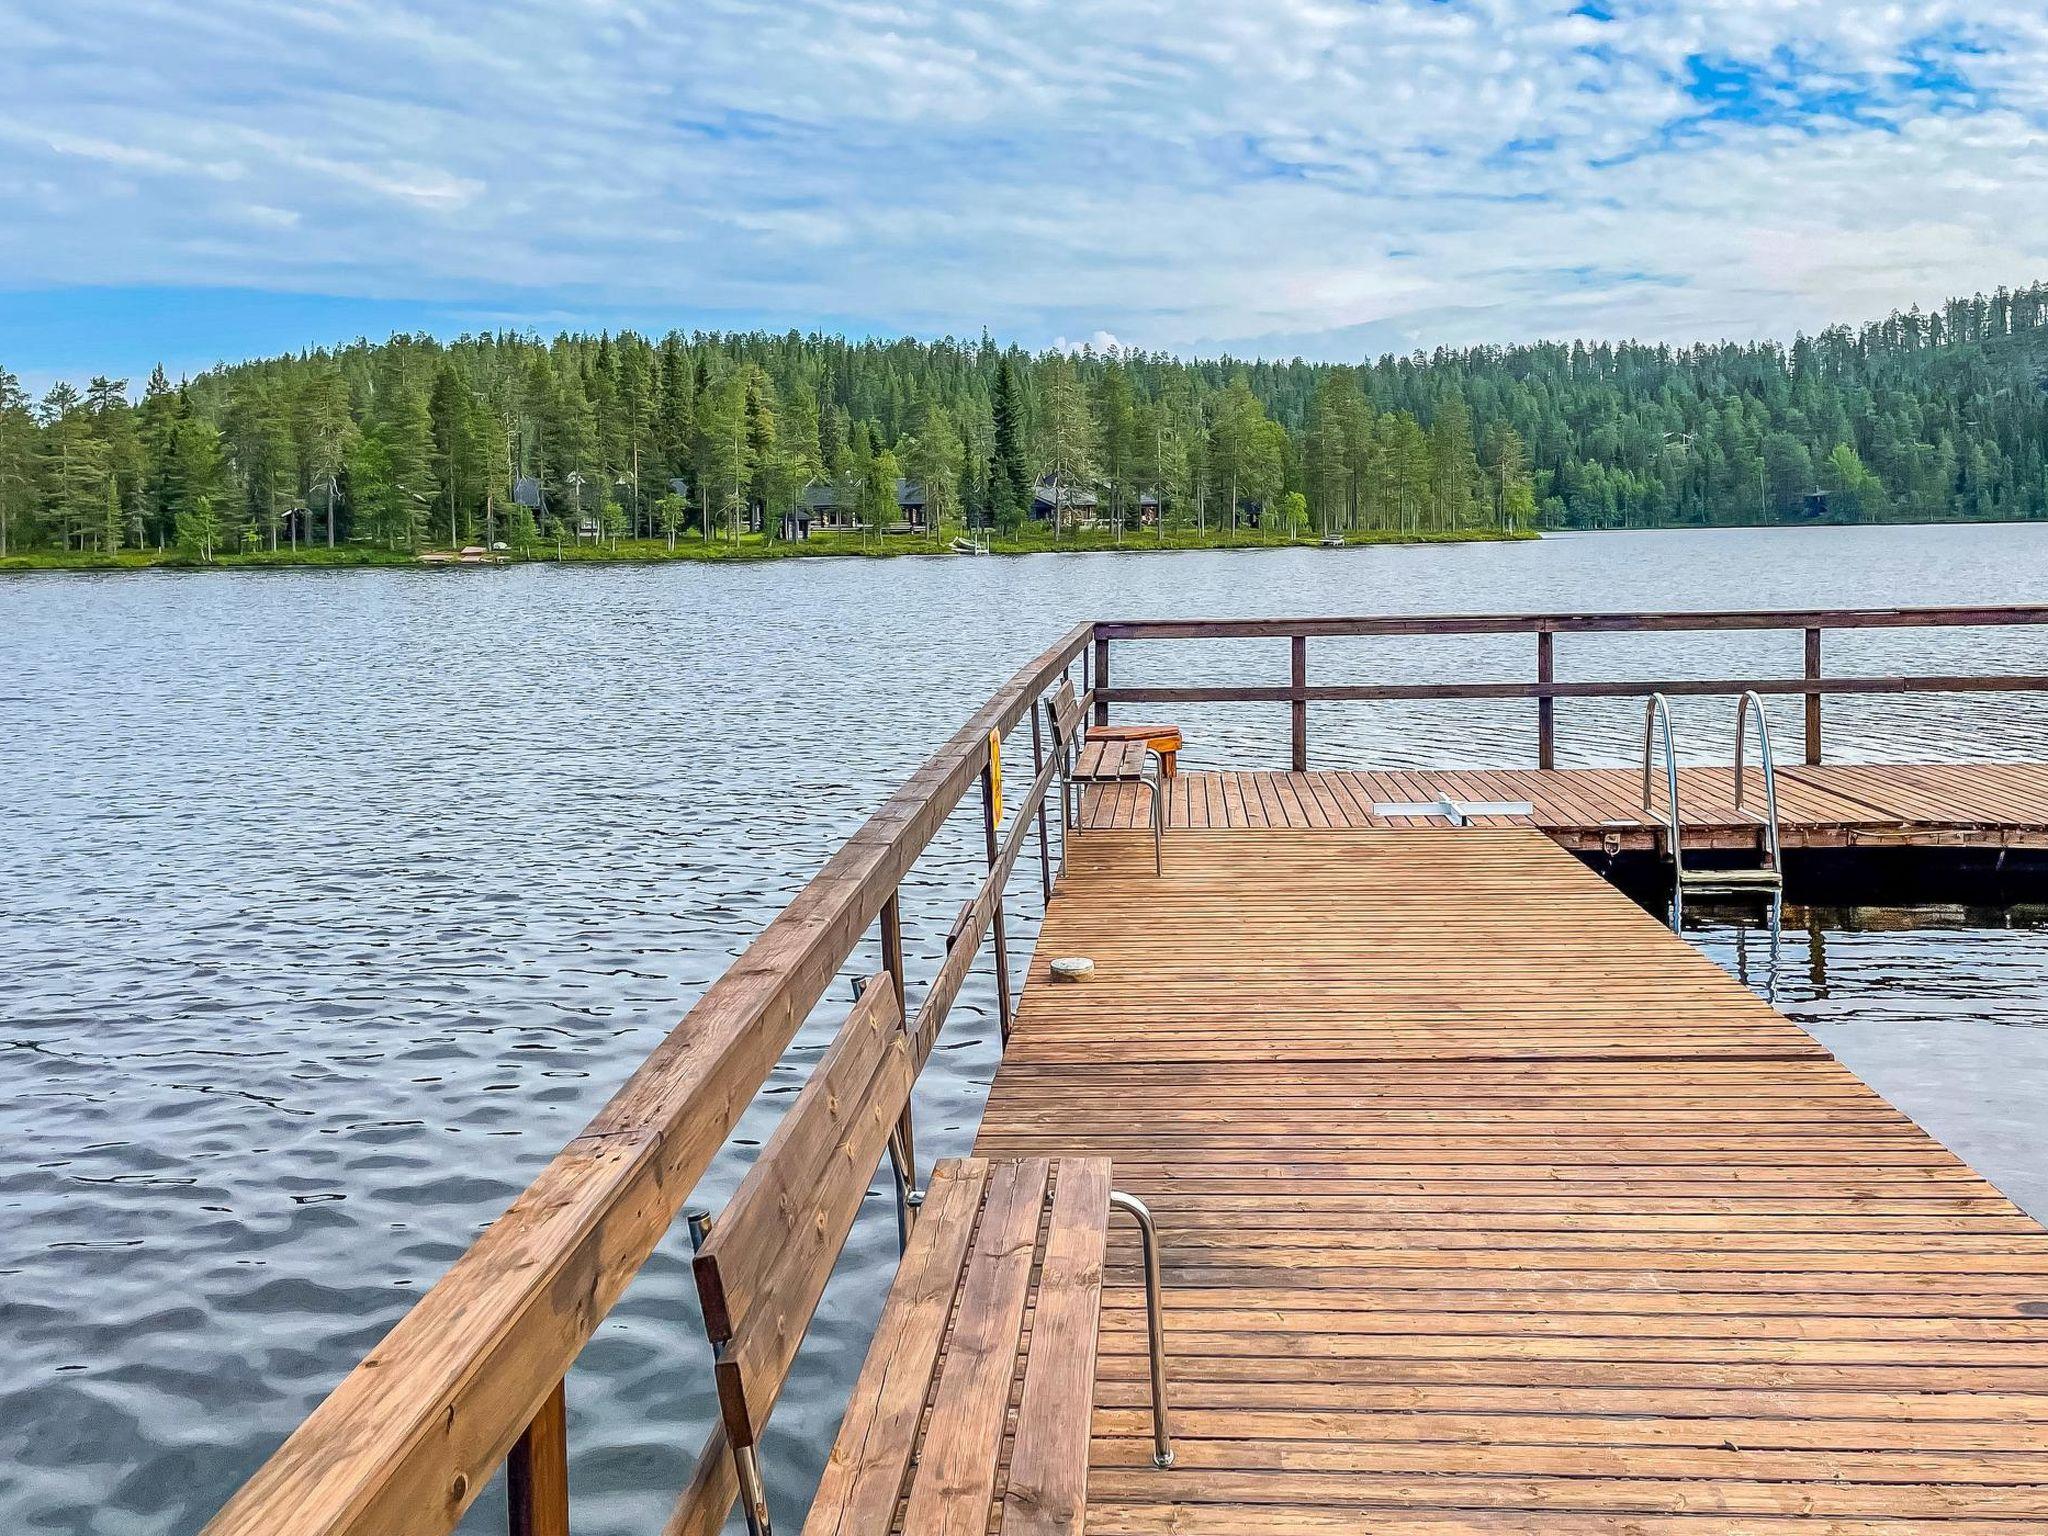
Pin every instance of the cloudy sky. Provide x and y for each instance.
(1336, 178)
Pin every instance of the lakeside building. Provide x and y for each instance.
(825, 507)
(1081, 505)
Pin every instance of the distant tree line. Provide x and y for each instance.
(412, 442)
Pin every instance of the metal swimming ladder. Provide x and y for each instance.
(1767, 880)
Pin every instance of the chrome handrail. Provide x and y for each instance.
(1659, 709)
(1763, 736)
(1155, 1321)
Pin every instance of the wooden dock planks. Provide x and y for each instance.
(1988, 805)
(1490, 1206)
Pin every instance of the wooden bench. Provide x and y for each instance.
(1162, 739)
(976, 1247)
(1092, 761)
(1002, 1280)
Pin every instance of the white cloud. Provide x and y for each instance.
(1300, 173)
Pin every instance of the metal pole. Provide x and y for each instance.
(903, 1145)
(1546, 708)
(988, 822)
(753, 1497)
(1037, 768)
(1155, 1322)
(1298, 706)
(1813, 699)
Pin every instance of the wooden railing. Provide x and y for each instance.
(1544, 689)
(471, 1378)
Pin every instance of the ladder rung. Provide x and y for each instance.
(1730, 879)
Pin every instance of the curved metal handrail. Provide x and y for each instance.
(1659, 710)
(1763, 737)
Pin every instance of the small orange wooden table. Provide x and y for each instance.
(1163, 739)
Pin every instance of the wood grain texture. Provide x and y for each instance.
(866, 1472)
(955, 1482)
(773, 1248)
(1046, 1493)
(994, 1290)
(1964, 805)
(1489, 1206)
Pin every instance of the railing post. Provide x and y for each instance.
(1297, 706)
(1101, 678)
(1546, 707)
(1037, 768)
(989, 817)
(892, 962)
(1813, 699)
(537, 1473)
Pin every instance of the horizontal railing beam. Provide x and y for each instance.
(1280, 693)
(1569, 623)
(407, 1440)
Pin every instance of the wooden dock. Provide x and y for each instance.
(1589, 810)
(1490, 1206)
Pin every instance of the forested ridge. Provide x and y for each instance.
(412, 443)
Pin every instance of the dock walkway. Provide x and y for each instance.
(1966, 805)
(1490, 1206)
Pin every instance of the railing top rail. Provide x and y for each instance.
(407, 1439)
(1570, 623)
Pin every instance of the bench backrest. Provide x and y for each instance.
(1063, 714)
(771, 1251)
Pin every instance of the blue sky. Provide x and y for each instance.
(1335, 178)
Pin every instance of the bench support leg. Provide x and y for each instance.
(903, 1164)
(1158, 831)
(1155, 1320)
(753, 1497)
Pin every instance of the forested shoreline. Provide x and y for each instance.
(391, 448)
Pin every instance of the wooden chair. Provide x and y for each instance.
(1085, 764)
(974, 1240)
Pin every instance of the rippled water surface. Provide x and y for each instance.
(333, 903)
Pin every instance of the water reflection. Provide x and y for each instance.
(1942, 1008)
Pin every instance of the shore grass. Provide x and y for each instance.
(1029, 541)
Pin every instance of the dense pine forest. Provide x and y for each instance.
(412, 443)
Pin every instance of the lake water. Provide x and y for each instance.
(333, 903)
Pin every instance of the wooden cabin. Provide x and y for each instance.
(1078, 504)
(823, 507)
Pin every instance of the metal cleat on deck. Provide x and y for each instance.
(1458, 813)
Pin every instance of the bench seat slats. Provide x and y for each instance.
(921, 1449)
(1047, 1492)
(864, 1476)
(1110, 760)
(956, 1475)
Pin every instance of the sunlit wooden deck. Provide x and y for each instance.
(1491, 1206)
(1976, 805)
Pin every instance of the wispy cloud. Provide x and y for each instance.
(1299, 174)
